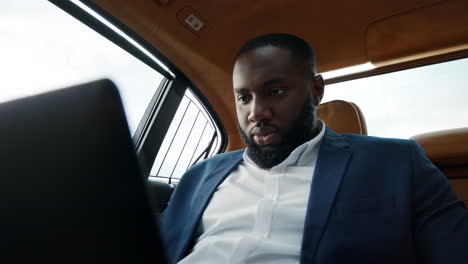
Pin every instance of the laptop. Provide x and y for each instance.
(70, 187)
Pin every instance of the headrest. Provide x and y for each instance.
(342, 117)
(446, 148)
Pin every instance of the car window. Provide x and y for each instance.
(44, 48)
(191, 138)
(409, 102)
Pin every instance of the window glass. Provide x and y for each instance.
(406, 103)
(44, 48)
(191, 138)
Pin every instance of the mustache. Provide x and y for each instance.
(263, 129)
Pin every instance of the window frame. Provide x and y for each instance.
(407, 65)
(161, 111)
(214, 146)
(421, 82)
(158, 115)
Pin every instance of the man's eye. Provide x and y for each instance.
(243, 98)
(277, 91)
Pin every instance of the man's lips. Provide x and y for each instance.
(266, 139)
(265, 135)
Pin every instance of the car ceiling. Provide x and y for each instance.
(343, 33)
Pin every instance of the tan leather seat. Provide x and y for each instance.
(448, 150)
(342, 117)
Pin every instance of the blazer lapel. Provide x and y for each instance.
(333, 158)
(205, 191)
(213, 180)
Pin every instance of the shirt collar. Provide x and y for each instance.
(299, 156)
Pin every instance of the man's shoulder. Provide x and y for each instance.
(384, 151)
(366, 143)
(198, 173)
(210, 163)
(374, 140)
(224, 156)
(228, 155)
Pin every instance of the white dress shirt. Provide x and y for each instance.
(257, 215)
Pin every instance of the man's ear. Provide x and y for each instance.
(318, 89)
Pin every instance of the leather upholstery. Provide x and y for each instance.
(342, 117)
(448, 150)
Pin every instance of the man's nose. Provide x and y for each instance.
(260, 110)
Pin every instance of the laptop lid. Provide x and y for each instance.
(70, 187)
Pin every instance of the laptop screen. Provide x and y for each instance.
(70, 187)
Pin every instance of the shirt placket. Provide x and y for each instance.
(265, 210)
(263, 216)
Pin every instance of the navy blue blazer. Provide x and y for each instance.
(372, 200)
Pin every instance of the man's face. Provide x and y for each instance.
(273, 99)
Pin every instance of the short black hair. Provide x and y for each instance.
(300, 49)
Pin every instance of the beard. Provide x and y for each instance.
(300, 132)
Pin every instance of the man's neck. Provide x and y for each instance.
(315, 129)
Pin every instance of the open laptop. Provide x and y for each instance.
(70, 187)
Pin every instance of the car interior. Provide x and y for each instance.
(392, 35)
(192, 45)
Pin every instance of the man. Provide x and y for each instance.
(301, 193)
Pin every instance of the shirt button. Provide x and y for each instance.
(275, 171)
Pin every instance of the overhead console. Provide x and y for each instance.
(422, 32)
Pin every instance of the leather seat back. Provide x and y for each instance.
(448, 150)
(342, 117)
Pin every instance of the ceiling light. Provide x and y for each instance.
(348, 70)
(88, 10)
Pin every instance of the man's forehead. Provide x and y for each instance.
(262, 83)
(260, 65)
(264, 55)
